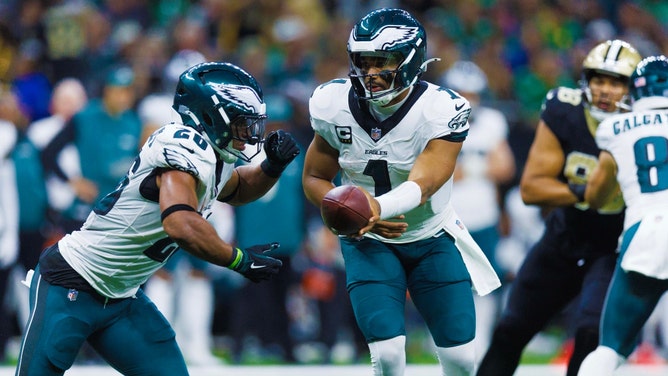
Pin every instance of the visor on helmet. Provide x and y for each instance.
(363, 61)
(248, 129)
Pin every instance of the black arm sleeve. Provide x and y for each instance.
(50, 153)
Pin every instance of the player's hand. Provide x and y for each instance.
(578, 191)
(256, 264)
(281, 148)
(390, 230)
(84, 189)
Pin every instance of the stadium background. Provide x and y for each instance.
(524, 46)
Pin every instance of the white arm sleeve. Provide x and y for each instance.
(401, 199)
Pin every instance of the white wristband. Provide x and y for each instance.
(405, 197)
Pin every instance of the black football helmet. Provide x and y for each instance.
(649, 82)
(391, 36)
(222, 102)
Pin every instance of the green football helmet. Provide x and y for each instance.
(649, 81)
(223, 103)
(390, 36)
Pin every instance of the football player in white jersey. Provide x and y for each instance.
(398, 137)
(87, 286)
(634, 158)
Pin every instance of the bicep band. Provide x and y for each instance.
(175, 208)
(405, 197)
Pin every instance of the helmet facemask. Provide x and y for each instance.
(362, 62)
(248, 129)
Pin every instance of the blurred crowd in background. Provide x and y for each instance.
(73, 65)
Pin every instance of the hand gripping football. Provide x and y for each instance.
(345, 210)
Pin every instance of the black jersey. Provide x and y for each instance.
(582, 231)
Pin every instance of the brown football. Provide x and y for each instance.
(345, 210)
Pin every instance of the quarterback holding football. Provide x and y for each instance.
(396, 136)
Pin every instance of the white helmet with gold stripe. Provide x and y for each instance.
(615, 58)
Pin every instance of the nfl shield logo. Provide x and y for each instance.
(72, 295)
(376, 133)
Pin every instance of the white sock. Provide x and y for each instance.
(195, 317)
(388, 357)
(485, 317)
(601, 362)
(458, 360)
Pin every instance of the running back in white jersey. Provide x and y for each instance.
(123, 242)
(379, 155)
(638, 141)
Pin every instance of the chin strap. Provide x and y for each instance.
(423, 67)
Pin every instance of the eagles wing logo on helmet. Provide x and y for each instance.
(241, 96)
(392, 35)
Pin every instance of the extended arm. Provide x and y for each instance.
(251, 182)
(602, 185)
(190, 231)
(178, 200)
(432, 168)
(540, 184)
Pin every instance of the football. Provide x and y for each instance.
(345, 210)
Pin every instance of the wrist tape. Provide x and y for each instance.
(237, 255)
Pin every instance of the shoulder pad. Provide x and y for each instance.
(446, 109)
(179, 147)
(329, 97)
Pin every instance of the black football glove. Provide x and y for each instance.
(254, 263)
(280, 148)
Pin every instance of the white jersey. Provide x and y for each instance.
(379, 155)
(475, 195)
(123, 242)
(638, 141)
